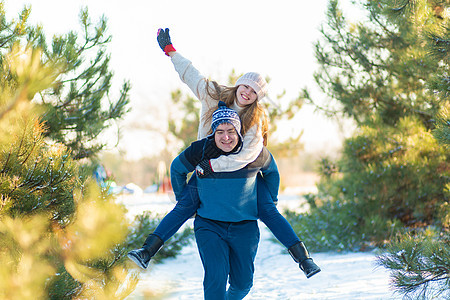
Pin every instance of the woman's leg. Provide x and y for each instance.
(185, 208)
(283, 231)
(269, 215)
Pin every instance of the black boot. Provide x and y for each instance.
(301, 256)
(142, 256)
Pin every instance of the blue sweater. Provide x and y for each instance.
(226, 196)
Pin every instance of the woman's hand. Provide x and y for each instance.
(164, 41)
(203, 169)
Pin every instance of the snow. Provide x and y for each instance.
(351, 275)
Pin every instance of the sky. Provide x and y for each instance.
(274, 38)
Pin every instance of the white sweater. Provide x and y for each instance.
(253, 140)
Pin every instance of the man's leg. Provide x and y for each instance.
(214, 253)
(243, 239)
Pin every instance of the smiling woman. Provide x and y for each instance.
(251, 87)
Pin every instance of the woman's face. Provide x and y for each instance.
(245, 95)
(226, 137)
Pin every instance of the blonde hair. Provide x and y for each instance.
(250, 115)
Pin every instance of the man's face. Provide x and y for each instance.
(226, 137)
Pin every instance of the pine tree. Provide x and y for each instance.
(420, 263)
(389, 73)
(61, 237)
(80, 105)
(377, 72)
(438, 45)
(375, 66)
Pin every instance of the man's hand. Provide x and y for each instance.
(164, 41)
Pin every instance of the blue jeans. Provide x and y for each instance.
(269, 215)
(185, 208)
(227, 251)
(189, 202)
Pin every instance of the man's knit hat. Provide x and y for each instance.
(223, 114)
(255, 81)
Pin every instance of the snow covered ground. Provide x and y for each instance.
(343, 276)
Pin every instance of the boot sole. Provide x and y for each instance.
(137, 261)
(313, 273)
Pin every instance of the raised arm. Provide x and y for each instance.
(189, 75)
(187, 72)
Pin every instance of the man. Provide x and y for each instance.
(225, 226)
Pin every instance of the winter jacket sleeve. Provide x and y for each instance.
(198, 85)
(251, 148)
(189, 75)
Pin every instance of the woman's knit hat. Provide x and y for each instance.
(255, 81)
(223, 114)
